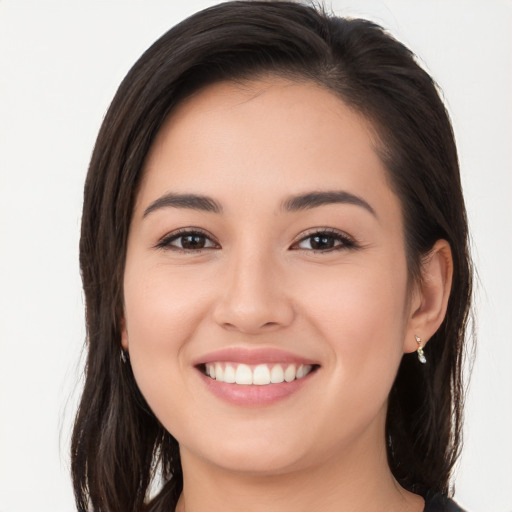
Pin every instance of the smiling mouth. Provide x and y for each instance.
(258, 375)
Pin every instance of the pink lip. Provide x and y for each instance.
(252, 356)
(252, 395)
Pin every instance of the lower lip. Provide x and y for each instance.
(252, 395)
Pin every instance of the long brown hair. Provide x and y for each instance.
(117, 441)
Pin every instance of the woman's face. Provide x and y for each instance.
(266, 245)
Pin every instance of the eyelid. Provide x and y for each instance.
(348, 242)
(164, 242)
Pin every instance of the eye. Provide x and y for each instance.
(187, 240)
(325, 240)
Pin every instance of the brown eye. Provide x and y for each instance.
(192, 241)
(324, 241)
(187, 241)
(318, 242)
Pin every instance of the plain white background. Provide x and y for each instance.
(60, 64)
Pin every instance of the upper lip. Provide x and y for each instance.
(253, 356)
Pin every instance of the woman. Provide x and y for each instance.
(275, 264)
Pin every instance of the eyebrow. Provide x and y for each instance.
(315, 199)
(296, 203)
(191, 201)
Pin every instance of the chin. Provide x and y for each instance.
(250, 455)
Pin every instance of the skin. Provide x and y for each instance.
(258, 283)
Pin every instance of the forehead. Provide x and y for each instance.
(237, 138)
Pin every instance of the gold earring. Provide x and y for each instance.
(421, 355)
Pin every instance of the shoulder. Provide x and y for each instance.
(440, 503)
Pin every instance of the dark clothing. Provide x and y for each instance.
(440, 503)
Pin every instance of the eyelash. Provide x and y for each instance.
(347, 242)
(165, 242)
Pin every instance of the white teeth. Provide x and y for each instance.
(289, 373)
(259, 375)
(218, 371)
(277, 374)
(229, 374)
(243, 374)
(300, 372)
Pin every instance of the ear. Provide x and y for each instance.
(430, 296)
(124, 335)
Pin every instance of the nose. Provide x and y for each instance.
(253, 297)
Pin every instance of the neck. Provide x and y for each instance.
(355, 479)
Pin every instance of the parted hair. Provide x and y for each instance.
(118, 445)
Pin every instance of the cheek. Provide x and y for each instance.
(163, 308)
(361, 314)
(357, 299)
(160, 305)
